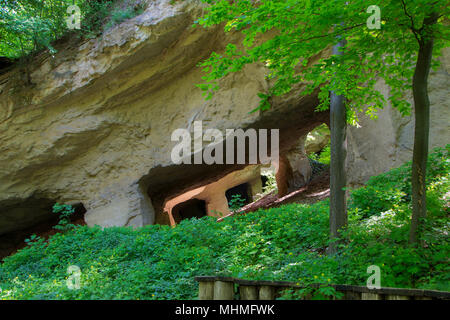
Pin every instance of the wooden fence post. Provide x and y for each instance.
(423, 298)
(351, 295)
(248, 292)
(206, 290)
(223, 290)
(392, 297)
(371, 296)
(266, 293)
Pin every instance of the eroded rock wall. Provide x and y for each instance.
(375, 146)
(214, 194)
(94, 126)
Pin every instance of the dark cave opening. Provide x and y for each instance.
(192, 208)
(264, 181)
(243, 190)
(14, 240)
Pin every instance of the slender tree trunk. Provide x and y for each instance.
(421, 131)
(338, 177)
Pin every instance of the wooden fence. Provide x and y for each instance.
(226, 288)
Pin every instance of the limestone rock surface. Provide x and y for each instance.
(94, 126)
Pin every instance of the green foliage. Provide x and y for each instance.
(236, 202)
(271, 184)
(286, 243)
(31, 239)
(324, 156)
(94, 16)
(288, 37)
(28, 26)
(119, 15)
(393, 188)
(65, 211)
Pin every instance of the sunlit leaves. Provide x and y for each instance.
(30, 25)
(284, 243)
(288, 36)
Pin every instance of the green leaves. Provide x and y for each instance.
(236, 202)
(290, 37)
(29, 26)
(64, 211)
(393, 188)
(286, 243)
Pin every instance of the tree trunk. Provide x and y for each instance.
(338, 178)
(421, 132)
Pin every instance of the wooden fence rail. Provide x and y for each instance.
(226, 288)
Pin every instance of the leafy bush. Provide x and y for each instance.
(28, 26)
(286, 243)
(64, 211)
(236, 202)
(270, 186)
(384, 191)
(324, 156)
(271, 182)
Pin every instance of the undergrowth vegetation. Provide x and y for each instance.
(286, 243)
(324, 156)
(28, 26)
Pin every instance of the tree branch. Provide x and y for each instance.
(409, 16)
(334, 33)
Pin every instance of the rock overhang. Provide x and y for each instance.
(94, 126)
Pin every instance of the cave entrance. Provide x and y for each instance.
(212, 199)
(41, 222)
(192, 208)
(317, 143)
(264, 181)
(243, 190)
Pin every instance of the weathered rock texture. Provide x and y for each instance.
(387, 142)
(214, 193)
(317, 139)
(294, 169)
(95, 125)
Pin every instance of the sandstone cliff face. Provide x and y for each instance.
(387, 142)
(95, 125)
(214, 194)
